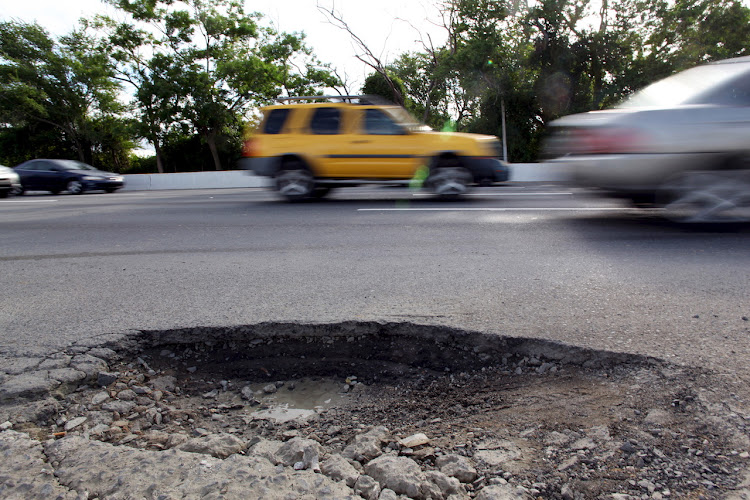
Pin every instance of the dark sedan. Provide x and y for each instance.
(72, 176)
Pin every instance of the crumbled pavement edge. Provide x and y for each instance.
(30, 377)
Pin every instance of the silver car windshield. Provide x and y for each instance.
(685, 87)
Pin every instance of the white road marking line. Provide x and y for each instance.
(488, 209)
(27, 201)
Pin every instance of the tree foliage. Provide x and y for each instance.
(197, 66)
(193, 68)
(184, 75)
(60, 95)
(553, 57)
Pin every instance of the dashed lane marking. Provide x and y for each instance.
(495, 209)
(28, 201)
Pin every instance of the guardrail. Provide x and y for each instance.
(519, 172)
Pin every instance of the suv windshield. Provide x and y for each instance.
(687, 87)
(404, 118)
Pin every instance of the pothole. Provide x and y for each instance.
(543, 419)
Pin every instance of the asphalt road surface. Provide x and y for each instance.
(539, 261)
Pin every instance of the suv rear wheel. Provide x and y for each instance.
(294, 181)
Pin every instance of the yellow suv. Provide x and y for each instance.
(309, 147)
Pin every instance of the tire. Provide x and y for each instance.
(110, 190)
(707, 196)
(449, 182)
(295, 182)
(4, 193)
(74, 186)
(17, 191)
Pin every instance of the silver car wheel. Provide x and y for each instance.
(295, 184)
(75, 187)
(696, 197)
(450, 182)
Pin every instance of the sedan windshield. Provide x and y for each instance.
(686, 87)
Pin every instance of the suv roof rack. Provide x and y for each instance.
(353, 99)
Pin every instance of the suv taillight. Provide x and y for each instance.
(250, 148)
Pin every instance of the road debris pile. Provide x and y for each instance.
(369, 411)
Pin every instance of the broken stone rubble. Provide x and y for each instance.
(78, 465)
(138, 424)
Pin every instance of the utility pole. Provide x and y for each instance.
(505, 145)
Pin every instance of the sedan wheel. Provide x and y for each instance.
(450, 182)
(17, 191)
(75, 187)
(695, 197)
(295, 185)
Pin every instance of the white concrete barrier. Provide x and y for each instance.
(194, 180)
(537, 172)
(519, 172)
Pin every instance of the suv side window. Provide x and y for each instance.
(275, 121)
(326, 121)
(379, 123)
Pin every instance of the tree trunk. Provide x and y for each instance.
(211, 140)
(157, 150)
(80, 149)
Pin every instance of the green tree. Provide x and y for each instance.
(209, 63)
(379, 85)
(64, 89)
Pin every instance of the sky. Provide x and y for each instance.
(388, 27)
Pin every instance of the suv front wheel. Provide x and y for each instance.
(450, 182)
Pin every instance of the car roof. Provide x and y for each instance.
(51, 160)
(734, 60)
(330, 101)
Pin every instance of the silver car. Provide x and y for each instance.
(9, 181)
(682, 143)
